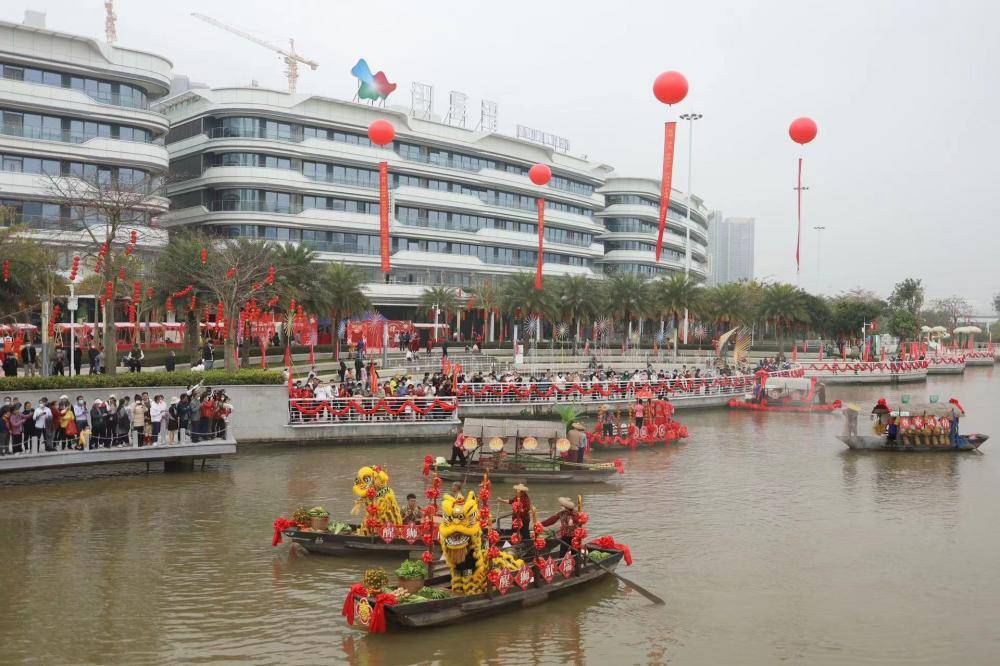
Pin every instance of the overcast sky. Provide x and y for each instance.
(904, 92)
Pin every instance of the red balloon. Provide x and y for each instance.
(540, 174)
(670, 87)
(381, 132)
(802, 130)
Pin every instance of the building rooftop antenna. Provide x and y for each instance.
(291, 58)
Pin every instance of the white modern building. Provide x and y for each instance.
(73, 106)
(731, 248)
(298, 168)
(631, 224)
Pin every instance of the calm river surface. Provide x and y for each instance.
(768, 539)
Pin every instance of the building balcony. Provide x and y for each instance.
(40, 187)
(94, 106)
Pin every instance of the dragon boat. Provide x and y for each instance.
(785, 394)
(522, 452)
(482, 580)
(919, 428)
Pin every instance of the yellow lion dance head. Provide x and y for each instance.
(371, 482)
(372, 488)
(460, 529)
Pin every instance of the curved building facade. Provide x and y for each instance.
(631, 222)
(74, 106)
(297, 168)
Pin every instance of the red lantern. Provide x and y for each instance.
(231, 273)
(194, 303)
(170, 303)
(381, 132)
(802, 130)
(270, 274)
(149, 292)
(128, 250)
(670, 87)
(6, 270)
(104, 250)
(219, 312)
(109, 291)
(121, 273)
(204, 256)
(133, 237)
(427, 557)
(99, 264)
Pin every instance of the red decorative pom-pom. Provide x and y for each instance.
(538, 529)
(493, 537)
(493, 552)
(582, 518)
(515, 538)
(370, 494)
(427, 557)
(540, 543)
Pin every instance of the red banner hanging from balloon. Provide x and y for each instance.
(540, 203)
(798, 233)
(383, 213)
(668, 172)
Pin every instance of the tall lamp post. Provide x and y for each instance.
(819, 241)
(690, 117)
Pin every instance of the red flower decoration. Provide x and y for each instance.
(493, 537)
(370, 494)
(493, 552)
(427, 557)
(540, 543)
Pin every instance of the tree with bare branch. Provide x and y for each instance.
(115, 212)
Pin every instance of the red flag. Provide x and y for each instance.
(383, 213)
(668, 172)
(798, 233)
(374, 378)
(540, 204)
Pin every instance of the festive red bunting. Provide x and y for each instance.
(314, 407)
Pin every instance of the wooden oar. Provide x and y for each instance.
(635, 586)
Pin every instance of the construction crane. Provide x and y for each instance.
(291, 58)
(109, 21)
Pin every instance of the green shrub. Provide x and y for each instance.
(138, 379)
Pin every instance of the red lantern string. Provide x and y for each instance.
(99, 264)
(204, 256)
(6, 270)
(231, 273)
(103, 251)
(149, 292)
(133, 237)
(109, 290)
(121, 273)
(194, 303)
(270, 275)
(170, 303)
(219, 312)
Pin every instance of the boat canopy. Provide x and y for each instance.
(484, 429)
(789, 384)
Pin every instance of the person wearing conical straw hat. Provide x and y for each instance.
(568, 519)
(521, 510)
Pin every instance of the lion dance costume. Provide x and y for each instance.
(376, 497)
(461, 539)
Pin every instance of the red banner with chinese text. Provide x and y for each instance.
(383, 213)
(667, 177)
(540, 203)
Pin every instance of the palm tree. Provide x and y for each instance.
(626, 296)
(487, 297)
(577, 299)
(783, 306)
(725, 304)
(439, 299)
(341, 285)
(521, 299)
(672, 295)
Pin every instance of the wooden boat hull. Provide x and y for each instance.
(790, 406)
(527, 476)
(876, 443)
(352, 545)
(462, 609)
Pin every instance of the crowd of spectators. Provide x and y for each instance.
(198, 413)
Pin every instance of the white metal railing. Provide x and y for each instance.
(526, 393)
(834, 367)
(39, 446)
(358, 410)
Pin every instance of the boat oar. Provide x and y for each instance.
(635, 586)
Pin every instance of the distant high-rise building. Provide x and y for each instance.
(731, 248)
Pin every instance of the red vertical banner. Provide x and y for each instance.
(798, 232)
(383, 213)
(669, 129)
(540, 204)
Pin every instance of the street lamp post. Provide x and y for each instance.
(690, 117)
(819, 239)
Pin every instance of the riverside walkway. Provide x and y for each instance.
(175, 457)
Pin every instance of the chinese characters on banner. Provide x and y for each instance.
(383, 213)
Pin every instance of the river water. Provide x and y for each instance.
(767, 538)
